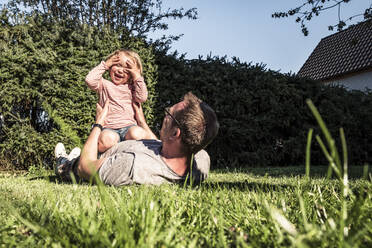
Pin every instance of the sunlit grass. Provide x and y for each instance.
(229, 209)
(263, 207)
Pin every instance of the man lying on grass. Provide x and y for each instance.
(187, 128)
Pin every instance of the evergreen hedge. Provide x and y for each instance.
(262, 113)
(44, 98)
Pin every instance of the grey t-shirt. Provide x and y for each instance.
(139, 161)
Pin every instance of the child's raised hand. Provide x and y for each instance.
(132, 68)
(112, 61)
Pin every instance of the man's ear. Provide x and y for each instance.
(176, 133)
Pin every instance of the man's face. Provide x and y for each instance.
(165, 130)
(117, 73)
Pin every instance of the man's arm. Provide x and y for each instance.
(88, 163)
(141, 121)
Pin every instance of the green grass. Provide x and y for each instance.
(269, 207)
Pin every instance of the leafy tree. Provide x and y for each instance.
(311, 8)
(129, 17)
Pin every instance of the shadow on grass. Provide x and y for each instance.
(246, 186)
(57, 180)
(354, 172)
(50, 178)
(209, 185)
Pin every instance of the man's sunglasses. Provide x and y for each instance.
(175, 120)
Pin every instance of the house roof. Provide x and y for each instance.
(341, 53)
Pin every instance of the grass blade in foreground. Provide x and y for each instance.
(308, 149)
(227, 210)
(344, 226)
(327, 134)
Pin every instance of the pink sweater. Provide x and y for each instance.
(120, 113)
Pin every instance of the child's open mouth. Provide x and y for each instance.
(118, 76)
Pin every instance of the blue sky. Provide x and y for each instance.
(245, 29)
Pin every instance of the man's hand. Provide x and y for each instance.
(141, 121)
(138, 114)
(101, 113)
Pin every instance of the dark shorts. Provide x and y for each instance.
(121, 131)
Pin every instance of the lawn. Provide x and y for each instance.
(270, 207)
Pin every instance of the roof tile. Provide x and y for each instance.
(344, 52)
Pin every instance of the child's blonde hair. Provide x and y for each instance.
(130, 54)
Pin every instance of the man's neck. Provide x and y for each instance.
(176, 161)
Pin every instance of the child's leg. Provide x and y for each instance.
(107, 139)
(136, 133)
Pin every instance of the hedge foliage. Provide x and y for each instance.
(262, 113)
(44, 98)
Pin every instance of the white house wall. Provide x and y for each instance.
(356, 82)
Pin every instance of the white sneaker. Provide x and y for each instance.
(74, 153)
(60, 151)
